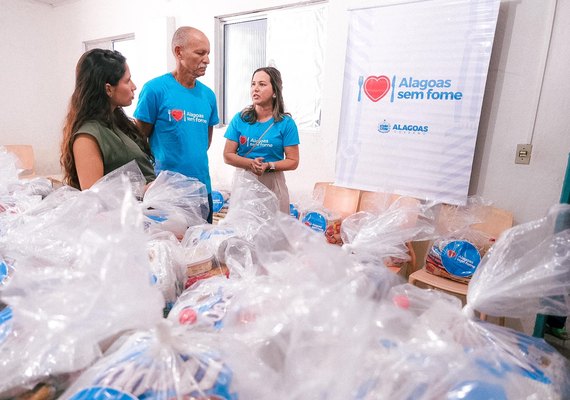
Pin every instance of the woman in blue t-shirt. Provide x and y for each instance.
(263, 138)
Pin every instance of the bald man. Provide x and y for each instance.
(177, 113)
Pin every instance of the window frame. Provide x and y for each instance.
(92, 44)
(219, 53)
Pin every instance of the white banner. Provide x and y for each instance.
(414, 80)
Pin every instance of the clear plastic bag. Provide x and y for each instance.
(165, 256)
(527, 271)
(157, 364)
(8, 170)
(383, 237)
(199, 248)
(252, 206)
(174, 202)
(131, 172)
(76, 284)
(51, 228)
(457, 254)
(441, 351)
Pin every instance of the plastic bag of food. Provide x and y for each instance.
(306, 315)
(524, 273)
(38, 186)
(204, 304)
(51, 228)
(199, 248)
(436, 350)
(131, 172)
(174, 202)
(384, 236)
(527, 271)
(64, 308)
(220, 204)
(18, 196)
(252, 206)
(157, 364)
(165, 254)
(324, 221)
(8, 170)
(457, 255)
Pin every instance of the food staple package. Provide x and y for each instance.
(383, 235)
(458, 255)
(252, 207)
(17, 196)
(324, 221)
(8, 170)
(220, 204)
(165, 257)
(199, 248)
(434, 349)
(174, 202)
(155, 364)
(295, 318)
(65, 305)
(459, 243)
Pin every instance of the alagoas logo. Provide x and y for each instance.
(186, 116)
(177, 114)
(407, 88)
(246, 141)
(376, 87)
(385, 127)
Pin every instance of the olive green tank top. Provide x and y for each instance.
(117, 149)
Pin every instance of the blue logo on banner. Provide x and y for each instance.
(407, 88)
(384, 127)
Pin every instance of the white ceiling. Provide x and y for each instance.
(53, 3)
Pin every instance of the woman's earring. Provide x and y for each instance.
(274, 95)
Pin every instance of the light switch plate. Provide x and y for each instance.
(523, 153)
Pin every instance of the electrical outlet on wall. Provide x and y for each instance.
(523, 154)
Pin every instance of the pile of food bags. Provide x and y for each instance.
(76, 283)
(293, 318)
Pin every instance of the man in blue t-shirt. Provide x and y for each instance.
(178, 113)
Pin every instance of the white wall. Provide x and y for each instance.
(509, 116)
(40, 46)
(32, 103)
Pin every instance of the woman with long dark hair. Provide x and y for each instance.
(98, 137)
(263, 138)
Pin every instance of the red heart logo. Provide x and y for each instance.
(242, 140)
(177, 114)
(376, 87)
